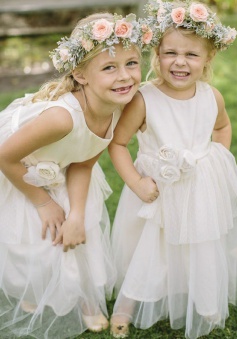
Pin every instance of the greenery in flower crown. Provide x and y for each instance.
(71, 51)
(190, 15)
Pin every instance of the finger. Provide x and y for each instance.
(65, 248)
(72, 247)
(58, 239)
(44, 230)
(52, 232)
(58, 226)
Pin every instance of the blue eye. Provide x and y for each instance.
(132, 63)
(108, 68)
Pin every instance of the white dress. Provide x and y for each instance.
(32, 269)
(177, 257)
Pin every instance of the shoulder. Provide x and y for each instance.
(58, 119)
(133, 114)
(136, 105)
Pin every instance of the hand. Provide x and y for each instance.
(146, 189)
(72, 233)
(52, 216)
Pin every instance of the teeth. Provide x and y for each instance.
(121, 89)
(180, 74)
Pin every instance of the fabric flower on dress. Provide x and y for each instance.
(194, 16)
(169, 174)
(168, 165)
(187, 161)
(168, 154)
(45, 174)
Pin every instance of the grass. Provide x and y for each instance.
(225, 81)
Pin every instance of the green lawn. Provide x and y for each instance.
(225, 80)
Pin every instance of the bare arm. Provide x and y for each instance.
(43, 130)
(132, 119)
(72, 232)
(222, 131)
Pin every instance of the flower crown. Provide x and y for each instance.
(71, 51)
(190, 15)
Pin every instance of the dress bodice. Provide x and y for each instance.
(185, 124)
(79, 145)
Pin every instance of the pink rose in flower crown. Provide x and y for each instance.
(87, 44)
(64, 54)
(147, 36)
(123, 29)
(198, 13)
(230, 37)
(178, 15)
(102, 29)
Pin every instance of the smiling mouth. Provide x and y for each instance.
(180, 74)
(122, 89)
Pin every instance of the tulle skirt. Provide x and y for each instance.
(59, 285)
(177, 257)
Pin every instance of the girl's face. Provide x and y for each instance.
(182, 60)
(112, 80)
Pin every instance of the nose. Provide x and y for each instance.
(180, 60)
(123, 74)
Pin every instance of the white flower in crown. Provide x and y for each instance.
(193, 16)
(87, 44)
(71, 51)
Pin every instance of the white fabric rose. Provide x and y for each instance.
(46, 174)
(168, 154)
(169, 174)
(168, 165)
(47, 170)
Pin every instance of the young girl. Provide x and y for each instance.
(175, 232)
(52, 189)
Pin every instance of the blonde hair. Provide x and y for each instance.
(53, 89)
(155, 65)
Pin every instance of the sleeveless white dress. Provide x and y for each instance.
(177, 257)
(32, 269)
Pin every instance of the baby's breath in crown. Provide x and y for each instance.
(71, 51)
(190, 15)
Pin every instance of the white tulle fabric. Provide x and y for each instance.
(61, 285)
(177, 257)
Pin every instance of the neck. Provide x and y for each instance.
(98, 120)
(97, 110)
(178, 93)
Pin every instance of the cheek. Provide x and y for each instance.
(139, 76)
(164, 64)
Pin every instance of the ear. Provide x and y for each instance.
(79, 77)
